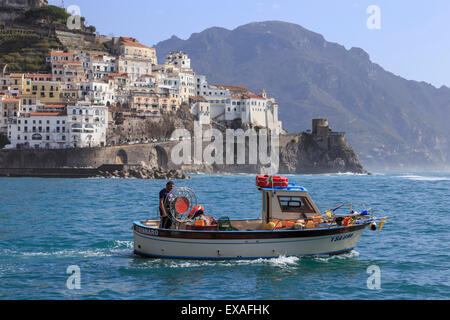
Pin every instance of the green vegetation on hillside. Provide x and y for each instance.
(49, 15)
(25, 44)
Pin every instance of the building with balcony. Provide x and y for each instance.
(60, 126)
(40, 130)
(87, 125)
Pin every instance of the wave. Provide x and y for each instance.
(351, 255)
(424, 178)
(104, 249)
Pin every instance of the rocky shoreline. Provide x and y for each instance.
(144, 172)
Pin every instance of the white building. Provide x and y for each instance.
(88, 125)
(54, 126)
(97, 91)
(146, 81)
(187, 85)
(201, 109)
(102, 66)
(228, 103)
(134, 58)
(179, 60)
(39, 130)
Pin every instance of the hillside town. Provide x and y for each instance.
(87, 92)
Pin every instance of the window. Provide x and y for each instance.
(294, 204)
(36, 137)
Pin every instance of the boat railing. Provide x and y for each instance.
(337, 209)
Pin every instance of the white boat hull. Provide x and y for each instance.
(155, 243)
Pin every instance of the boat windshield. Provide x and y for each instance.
(297, 204)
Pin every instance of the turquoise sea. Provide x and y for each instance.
(47, 225)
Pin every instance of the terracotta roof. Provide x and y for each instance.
(254, 96)
(61, 54)
(127, 41)
(118, 75)
(64, 61)
(11, 100)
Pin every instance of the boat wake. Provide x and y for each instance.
(350, 255)
(104, 249)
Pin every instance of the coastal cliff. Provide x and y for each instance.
(303, 154)
(321, 150)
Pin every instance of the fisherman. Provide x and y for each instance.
(164, 210)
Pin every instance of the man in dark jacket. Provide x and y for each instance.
(164, 210)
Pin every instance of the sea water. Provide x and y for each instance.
(47, 226)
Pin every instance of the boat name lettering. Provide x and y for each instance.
(151, 232)
(343, 237)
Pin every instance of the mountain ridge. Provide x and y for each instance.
(392, 122)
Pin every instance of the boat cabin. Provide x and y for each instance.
(287, 203)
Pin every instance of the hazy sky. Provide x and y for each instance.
(413, 40)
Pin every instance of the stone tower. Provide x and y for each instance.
(263, 94)
(320, 127)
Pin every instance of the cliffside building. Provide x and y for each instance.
(179, 60)
(134, 58)
(229, 103)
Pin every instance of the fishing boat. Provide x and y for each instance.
(290, 224)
